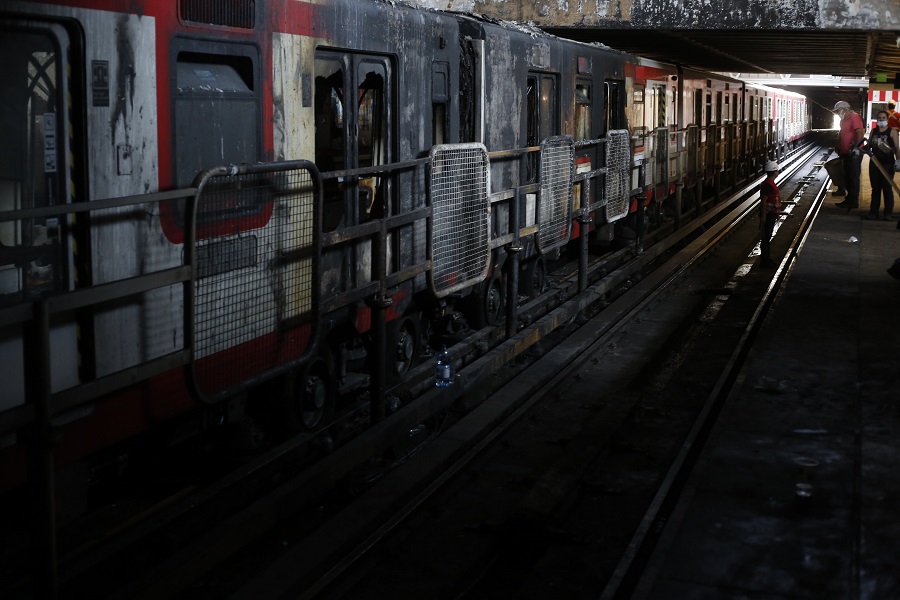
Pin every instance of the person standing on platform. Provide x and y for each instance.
(893, 117)
(851, 134)
(769, 211)
(885, 148)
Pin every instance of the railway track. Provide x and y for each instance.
(319, 504)
(566, 497)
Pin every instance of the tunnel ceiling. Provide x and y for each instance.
(843, 53)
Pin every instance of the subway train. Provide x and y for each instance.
(210, 210)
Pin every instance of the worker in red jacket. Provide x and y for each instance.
(769, 211)
(893, 118)
(851, 134)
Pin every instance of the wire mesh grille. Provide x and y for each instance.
(256, 292)
(557, 176)
(460, 227)
(618, 174)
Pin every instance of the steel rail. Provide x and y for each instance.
(681, 468)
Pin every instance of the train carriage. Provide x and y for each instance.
(695, 131)
(569, 95)
(112, 103)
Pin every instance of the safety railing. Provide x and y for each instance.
(250, 306)
(40, 321)
(253, 303)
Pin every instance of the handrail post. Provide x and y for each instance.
(512, 285)
(38, 391)
(378, 304)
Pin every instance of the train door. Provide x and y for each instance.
(637, 112)
(619, 181)
(770, 123)
(728, 126)
(541, 116)
(614, 113)
(698, 108)
(582, 130)
(37, 170)
(541, 122)
(779, 120)
(716, 125)
(659, 131)
(354, 129)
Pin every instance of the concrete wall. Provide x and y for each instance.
(687, 14)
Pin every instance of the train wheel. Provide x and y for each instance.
(494, 300)
(404, 344)
(309, 396)
(485, 307)
(535, 278)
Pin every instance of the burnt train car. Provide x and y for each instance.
(122, 100)
(567, 97)
(262, 208)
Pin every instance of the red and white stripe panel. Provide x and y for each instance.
(879, 97)
(884, 95)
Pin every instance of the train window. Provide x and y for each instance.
(329, 107)
(33, 168)
(531, 126)
(582, 111)
(215, 113)
(438, 123)
(612, 116)
(541, 116)
(720, 112)
(370, 115)
(351, 88)
(440, 96)
(549, 112)
(637, 97)
(216, 122)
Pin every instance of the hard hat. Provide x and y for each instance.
(839, 105)
(771, 166)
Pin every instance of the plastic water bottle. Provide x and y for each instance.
(443, 372)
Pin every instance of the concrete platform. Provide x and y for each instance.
(798, 491)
